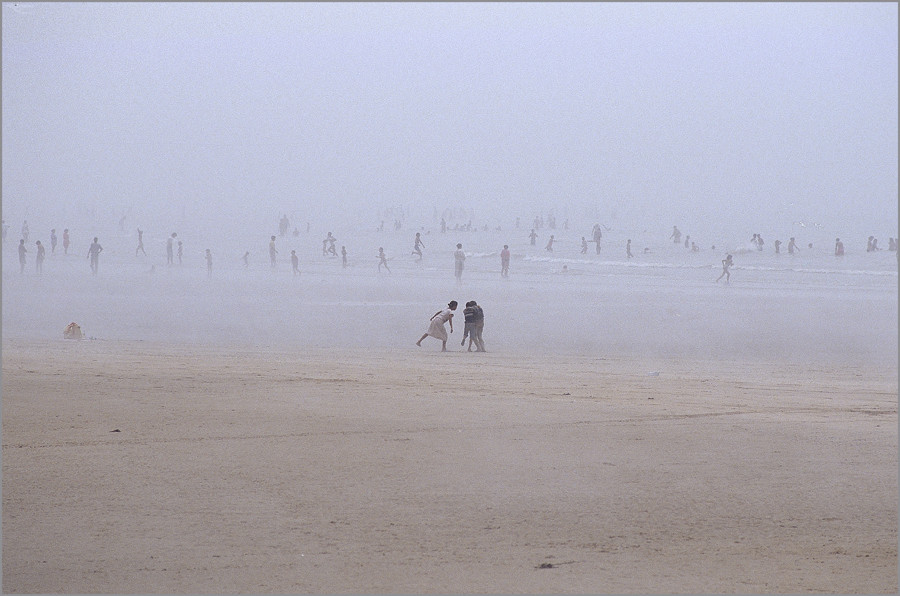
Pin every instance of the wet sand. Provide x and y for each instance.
(140, 467)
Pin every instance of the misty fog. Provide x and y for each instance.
(216, 120)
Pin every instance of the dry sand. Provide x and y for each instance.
(408, 470)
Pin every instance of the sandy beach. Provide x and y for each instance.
(144, 467)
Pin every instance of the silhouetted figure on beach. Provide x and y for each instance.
(459, 259)
(477, 328)
(283, 225)
(759, 242)
(53, 241)
(436, 327)
(872, 244)
(140, 246)
(66, 241)
(22, 251)
(838, 247)
(504, 261)
(418, 246)
(596, 236)
(676, 235)
(443, 225)
(295, 262)
(687, 241)
(246, 259)
(343, 256)
(532, 236)
(382, 260)
(694, 247)
(549, 247)
(180, 251)
(170, 249)
(628, 249)
(208, 263)
(94, 255)
(39, 257)
(328, 245)
(727, 262)
(25, 230)
(469, 324)
(583, 245)
(273, 252)
(792, 246)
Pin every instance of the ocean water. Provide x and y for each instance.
(663, 302)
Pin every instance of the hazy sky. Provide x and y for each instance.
(695, 113)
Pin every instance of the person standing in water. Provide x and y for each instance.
(459, 258)
(549, 247)
(583, 245)
(676, 235)
(344, 256)
(39, 258)
(140, 246)
(778, 247)
(727, 262)
(295, 262)
(170, 249)
(532, 236)
(53, 241)
(66, 241)
(22, 251)
(94, 255)
(838, 247)
(272, 251)
(792, 246)
(436, 327)
(596, 236)
(504, 261)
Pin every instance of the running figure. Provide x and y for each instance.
(418, 246)
(382, 260)
(436, 328)
(727, 262)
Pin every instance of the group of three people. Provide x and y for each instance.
(474, 318)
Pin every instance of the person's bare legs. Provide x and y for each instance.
(443, 345)
(419, 343)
